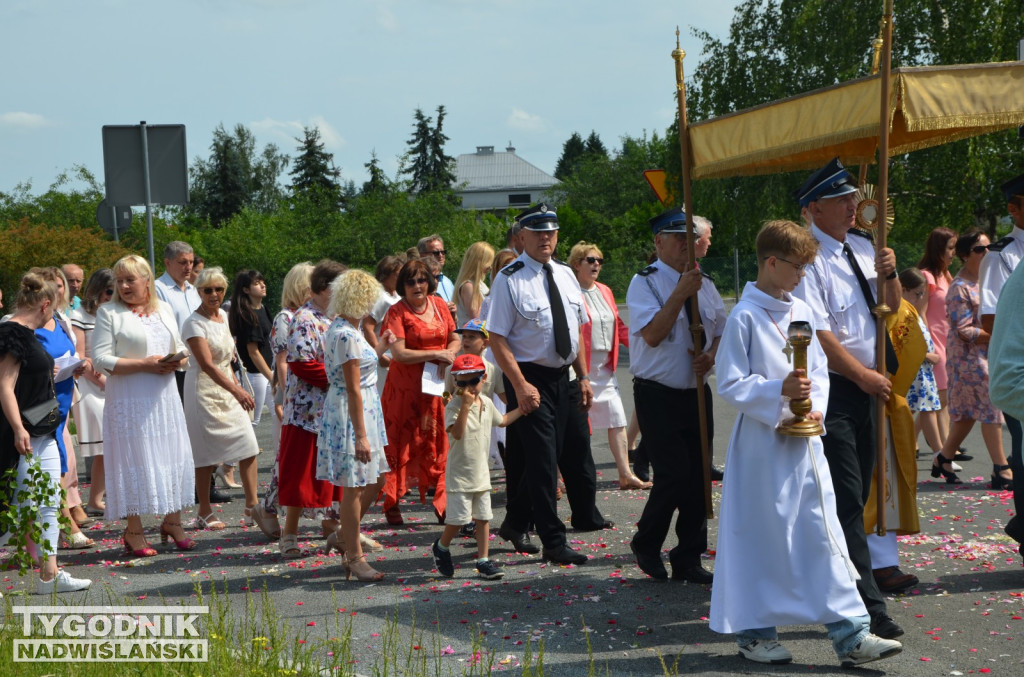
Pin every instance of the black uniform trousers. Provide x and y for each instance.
(849, 444)
(670, 426)
(554, 436)
(1016, 462)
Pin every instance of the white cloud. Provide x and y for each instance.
(328, 134)
(23, 120)
(525, 122)
(285, 132)
(386, 19)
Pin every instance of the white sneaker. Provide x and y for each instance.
(871, 648)
(766, 651)
(62, 582)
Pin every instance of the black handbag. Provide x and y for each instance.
(42, 419)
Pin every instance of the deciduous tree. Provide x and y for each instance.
(235, 177)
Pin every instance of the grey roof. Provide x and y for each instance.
(483, 171)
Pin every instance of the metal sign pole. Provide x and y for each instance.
(113, 215)
(149, 202)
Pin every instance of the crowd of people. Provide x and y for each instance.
(406, 384)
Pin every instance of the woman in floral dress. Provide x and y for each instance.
(967, 367)
(923, 396)
(304, 397)
(350, 445)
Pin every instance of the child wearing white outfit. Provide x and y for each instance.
(782, 558)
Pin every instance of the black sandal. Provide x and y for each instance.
(998, 481)
(940, 471)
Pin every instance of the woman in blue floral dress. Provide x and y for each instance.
(923, 395)
(350, 445)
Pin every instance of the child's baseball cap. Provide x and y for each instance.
(476, 324)
(468, 364)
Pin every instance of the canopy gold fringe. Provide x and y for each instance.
(929, 106)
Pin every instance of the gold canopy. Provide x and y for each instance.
(929, 106)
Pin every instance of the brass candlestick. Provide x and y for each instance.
(800, 426)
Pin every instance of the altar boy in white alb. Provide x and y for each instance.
(782, 558)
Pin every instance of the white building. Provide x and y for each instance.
(490, 181)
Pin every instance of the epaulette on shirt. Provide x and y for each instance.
(708, 275)
(1000, 245)
(861, 233)
(647, 271)
(513, 267)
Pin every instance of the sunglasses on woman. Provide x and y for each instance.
(471, 382)
(979, 248)
(213, 290)
(594, 259)
(412, 282)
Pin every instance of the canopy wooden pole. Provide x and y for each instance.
(696, 328)
(881, 310)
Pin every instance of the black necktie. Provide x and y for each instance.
(892, 364)
(562, 344)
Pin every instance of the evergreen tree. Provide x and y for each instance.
(572, 151)
(430, 168)
(378, 183)
(595, 146)
(314, 174)
(234, 177)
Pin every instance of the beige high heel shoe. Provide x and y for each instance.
(364, 573)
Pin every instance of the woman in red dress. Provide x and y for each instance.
(421, 335)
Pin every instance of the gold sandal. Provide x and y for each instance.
(366, 575)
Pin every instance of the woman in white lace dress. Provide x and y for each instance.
(149, 470)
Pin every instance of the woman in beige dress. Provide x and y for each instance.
(215, 403)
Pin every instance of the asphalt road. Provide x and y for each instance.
(964, 617)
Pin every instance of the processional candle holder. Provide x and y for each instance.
(800, 334)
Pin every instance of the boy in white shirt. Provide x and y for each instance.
(782, 558)
(469, 418)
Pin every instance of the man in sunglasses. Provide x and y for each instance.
(433, 246)
(534, 324)
(837, 285)
(1002, 290)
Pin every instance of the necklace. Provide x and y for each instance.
(787, 350)
(140, 312)
(426, 306)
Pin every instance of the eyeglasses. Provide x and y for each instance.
(471, 382)
(213, 290)
(979, 248)
(439, 253)
(799, 266)
(412, 282)
(594, 259)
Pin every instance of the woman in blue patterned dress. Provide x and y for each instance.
(352, 436)
(923, 396)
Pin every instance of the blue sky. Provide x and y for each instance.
(529, 72)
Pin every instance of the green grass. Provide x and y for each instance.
(257, 641)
